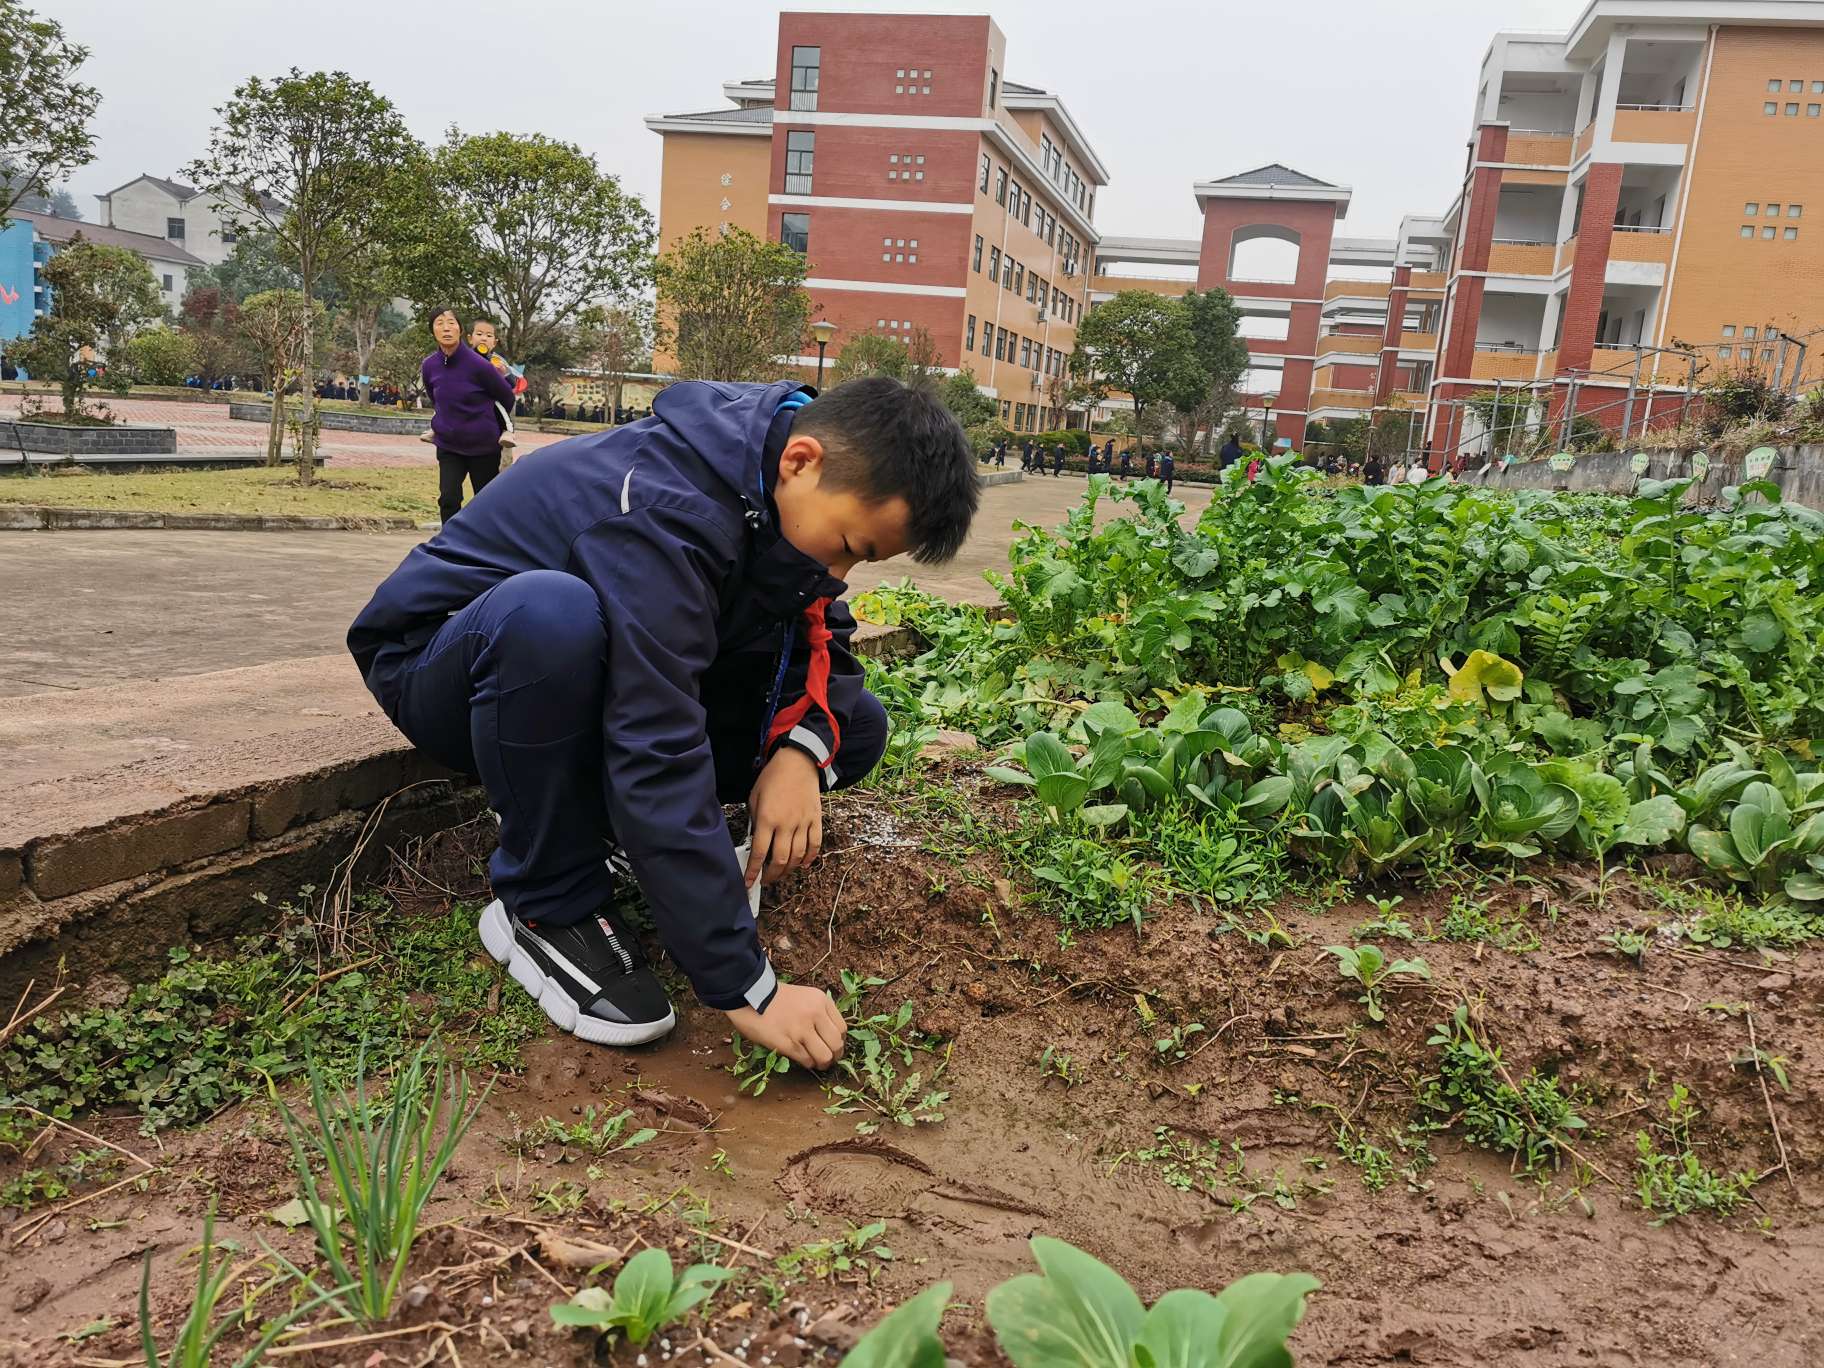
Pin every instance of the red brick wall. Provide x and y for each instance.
(1390, 336)
(861, 53)
(1353, 377)
(856, 311)
(1583, 303)
(846, 244)
(851, 163)
(1480, 203)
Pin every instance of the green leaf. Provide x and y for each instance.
(1002, 774)
(1266, 796)
(1805, 886)
(1063, 791)
(1263, 1310)
(589, 1307)
(1483, 672)
(1104, 814)
(1716, 850)
(1045, 754)
(642, 1291)
(1079, 1311)
(1652, 822)
(1180, 1330)
(905, 1337)
(1109, 716)
(1761, 630)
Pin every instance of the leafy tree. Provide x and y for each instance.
(1506, 419)
(615, 341)
(44, 109)
(527, 230)
(364, 314)
(1222, 353)
(735, 304)
(315, 159)
(210, 318)
(99, 296)
(60, 203)
(965, 399)
(281, 325)
(397, 359)
(161, 356)
(1145, 345)
(255, 266)
(870, 354)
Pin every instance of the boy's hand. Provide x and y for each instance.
(800, 1023)
(787, 811)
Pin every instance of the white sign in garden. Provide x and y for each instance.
(1758, 462)
(1563, 460)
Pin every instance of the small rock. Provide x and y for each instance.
(948, 742)
(1775, 983)
(31, 1294)
(519, 1333)
(417, 1295)
(976, 992)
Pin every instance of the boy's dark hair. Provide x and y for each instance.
(451, 310)
(882, 438)
(479, 319)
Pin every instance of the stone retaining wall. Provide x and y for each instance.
(399, 424)
(1798, 471)
(79, 443)
(43, 518)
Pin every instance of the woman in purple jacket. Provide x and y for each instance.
(463, 388)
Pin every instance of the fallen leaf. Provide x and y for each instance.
(291, 1215)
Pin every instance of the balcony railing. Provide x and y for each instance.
(1654, 123)
(1668, 108)
(1538, 147)
(1642, 228)
(1353, 344)
(1513, 257)
(1635, 245)
(1504, 361)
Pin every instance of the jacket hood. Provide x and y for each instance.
(728, 426)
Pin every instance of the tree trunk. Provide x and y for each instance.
(612, 419)
(275, 428)
(307, 420)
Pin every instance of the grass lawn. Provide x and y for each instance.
(348, 491)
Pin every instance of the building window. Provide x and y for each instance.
(975, 257)
(1794, 210)
(1766, 353)
(1792, 111)
(1770, 108)
(1014, 274)
(167, 279)
(987, 338)
(969, 334)
(1817, 87)
(994, 86)
(1000, 344)
(1728, 330)
(1773, 211)
(1724, 352)
(987, 162)
(1795, 86)
(1748, 332)
(1773, 85)
(1790, 234)
(1767, 232)
(228, 233)
(1026, 352)
(795, 232)
(807, 71)
(800, 151)
(994, 264)
(1811, 111)
(1000, 185)
(1747, 230)
(174, 229)
(1750, 209)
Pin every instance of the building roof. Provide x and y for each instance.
(54, 229)
(757, 120)
(170, 187)
(1016, 88)
(1273, 173)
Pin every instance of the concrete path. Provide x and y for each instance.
(125, 646)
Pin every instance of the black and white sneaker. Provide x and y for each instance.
(591, 978)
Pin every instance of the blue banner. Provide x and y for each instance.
(16, 279)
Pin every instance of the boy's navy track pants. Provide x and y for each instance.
(510, 690)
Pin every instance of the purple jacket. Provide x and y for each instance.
(464, 387)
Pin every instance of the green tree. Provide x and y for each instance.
(734, 303)
(253, 267)
(210, 318)
(160, 356)
(871, 354)
(1506, 419)
(44, 109)
(963, 397)
(1145, 345)
(1221, 352)
(317, 160)
(614, 341)
(280, 326)
(99, 296)
(397, 359)
(526, 230)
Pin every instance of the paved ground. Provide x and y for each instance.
(206, 428)
(103, 634)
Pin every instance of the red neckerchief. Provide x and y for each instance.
(816, 684)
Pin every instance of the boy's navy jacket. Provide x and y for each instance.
(670, 522)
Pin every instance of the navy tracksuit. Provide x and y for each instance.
(613, 638)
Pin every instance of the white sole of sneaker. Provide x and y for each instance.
(497, 938)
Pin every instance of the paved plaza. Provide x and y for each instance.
(125, 646)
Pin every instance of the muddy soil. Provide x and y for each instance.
(1459, 1262)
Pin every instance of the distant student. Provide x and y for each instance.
(1127, 464)
(1026, 449)
(1167, 469)
(1371, 470)
(1057, 460)
(1152, 464)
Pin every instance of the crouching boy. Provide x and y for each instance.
(628, 630)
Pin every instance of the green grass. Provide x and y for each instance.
(349, 492)
(202, 1035)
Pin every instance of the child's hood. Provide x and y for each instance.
(728, 426)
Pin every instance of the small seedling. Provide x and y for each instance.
(1368, 966)
(1774, 1064)
(858, 1250)
(1676, 1183)
(645, 1298)
(875, 1086)
(755, 1067)
(1628, 944)
(560, 1199)
(1054, 1063)
(718, 1163)
(596, 1134)
(1173, 1047)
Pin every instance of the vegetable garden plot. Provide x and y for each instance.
(1257, 940)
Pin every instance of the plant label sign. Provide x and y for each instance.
(1700, 465)
(1638, 462)
(1758, 462)
(1563, 461)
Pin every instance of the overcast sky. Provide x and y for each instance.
(1374, 94)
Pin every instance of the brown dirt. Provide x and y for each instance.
(1468, 1264)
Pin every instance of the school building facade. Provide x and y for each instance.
(1631, 209)
(927, 191)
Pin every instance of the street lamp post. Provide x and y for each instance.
(1266, 441)
(824, 330)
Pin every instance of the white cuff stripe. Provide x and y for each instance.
(829, 777)
(763, 987)
(812, 742)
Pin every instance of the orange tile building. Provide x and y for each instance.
(926, 189)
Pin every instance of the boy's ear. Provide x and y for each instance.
(803, 455)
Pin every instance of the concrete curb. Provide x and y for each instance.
(45, 518)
